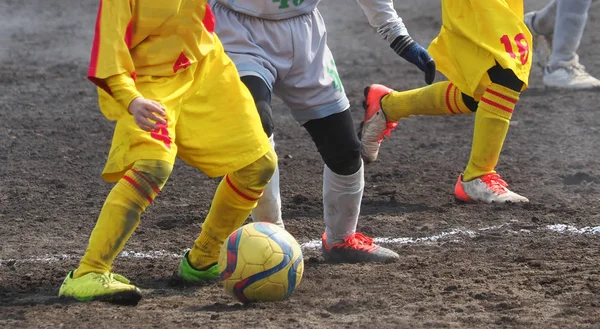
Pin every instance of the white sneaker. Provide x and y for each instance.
(571, 76)
(490, 188)
(375, 125)
(542, 44)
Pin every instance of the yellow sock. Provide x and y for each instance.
(120, 214)
(236, 196)
(491, 125)
(437, 99)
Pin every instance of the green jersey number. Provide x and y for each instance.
(283, 4)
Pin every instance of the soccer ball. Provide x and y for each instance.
(260, 262)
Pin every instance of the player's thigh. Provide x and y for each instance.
(247, 42)
(475, 36)
(219, 130)
(130, 143)
(313, 88)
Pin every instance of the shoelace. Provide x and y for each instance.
(579, 69)
(112, 277)
(106, 279)
(495, 183)
(389, 126)
(359, 241)
(576, 69)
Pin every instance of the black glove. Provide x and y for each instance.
(411, 51)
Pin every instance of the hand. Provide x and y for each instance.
(411, 51)
(144, 110)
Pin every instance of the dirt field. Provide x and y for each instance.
(461, 265)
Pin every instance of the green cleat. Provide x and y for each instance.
(189, 274)
(106, 287)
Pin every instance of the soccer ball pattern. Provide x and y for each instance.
(260, 262)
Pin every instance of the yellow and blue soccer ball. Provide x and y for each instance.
(260, 262)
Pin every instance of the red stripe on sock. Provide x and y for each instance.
(138, 187)
(238, 191)
(260, 192)
(499, 106)
(504, 97)
(448, 99)
(154, 187)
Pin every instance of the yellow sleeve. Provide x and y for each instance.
(110, 50)
(123, 89)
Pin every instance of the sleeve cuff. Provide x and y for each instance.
(123, 90)
(392, 29)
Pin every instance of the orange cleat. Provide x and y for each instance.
(357, 248)
(490, 188)
(375, 125)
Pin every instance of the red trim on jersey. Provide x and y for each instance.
(129, 31)
(504, 97)
(96, 45)
(181, 63)
(93, 68)
(209, 20)
(448, 99)
(129, 34)
(499, 106)
(238, 191)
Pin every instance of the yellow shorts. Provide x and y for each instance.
(475, 35)
(213, 124)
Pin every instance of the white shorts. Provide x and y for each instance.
(290, 55)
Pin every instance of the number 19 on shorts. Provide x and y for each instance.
(522, 46)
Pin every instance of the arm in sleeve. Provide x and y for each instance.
(383, 16)
(110, 50)
(123, 89)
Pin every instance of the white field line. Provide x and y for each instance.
(454, 234)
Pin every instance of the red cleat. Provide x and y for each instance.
(375, 125)
(357, 248)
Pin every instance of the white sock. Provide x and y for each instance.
(269, 205)
(341, 203)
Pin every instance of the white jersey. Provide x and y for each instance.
(381, 13)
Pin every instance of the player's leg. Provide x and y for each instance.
(343, 185)
(232, 145)
(542, 21)
(140, 164)
(269, 205)
(558, 29)
(491, 63)
(480, 182)
(384, 107)
(252, 44)
(563, 69)
(236, 196)
(541, 26)
(119, 217)
(315, 94)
